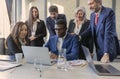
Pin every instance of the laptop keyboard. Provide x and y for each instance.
(101, 69)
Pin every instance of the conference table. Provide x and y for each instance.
(27, 71)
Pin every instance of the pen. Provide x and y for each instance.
(13, 70)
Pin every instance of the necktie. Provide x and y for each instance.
(96, 19)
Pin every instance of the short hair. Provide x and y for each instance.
(98, 1)
(53, 8)
(61, 22)
(81, 9)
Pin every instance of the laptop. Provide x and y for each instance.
(31, 52)
(100, 69)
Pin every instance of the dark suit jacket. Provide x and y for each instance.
(87, 42)
(12, 47)
(40, 34)
(70, 42)
(104, 33)
(51, 23)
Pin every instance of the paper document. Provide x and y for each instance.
(77, 62)
(7, 58)
(7, 65)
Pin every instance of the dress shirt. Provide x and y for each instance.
(77, 29)
(35, 25)
(59, 43)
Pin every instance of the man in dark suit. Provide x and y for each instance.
(54, 16)
(61, 40)
(103, 30)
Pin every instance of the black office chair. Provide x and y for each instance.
(2, 49)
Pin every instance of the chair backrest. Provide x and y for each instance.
(2, 47)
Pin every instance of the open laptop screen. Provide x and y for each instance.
(100, 69)
(31, 52)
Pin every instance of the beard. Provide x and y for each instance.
(92, 10)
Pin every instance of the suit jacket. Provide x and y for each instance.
(70, 43)
(51, 23)
(87, 42)
(40, 34)
(104, 33)
(12, 46)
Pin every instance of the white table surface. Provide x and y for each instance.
(27, 71)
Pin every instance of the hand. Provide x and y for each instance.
(72, 33)
(92, 55)
(32, 38)
(105, 58)
(53, 56)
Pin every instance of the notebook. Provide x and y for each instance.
(31, 52)
(100, 69)
(7, 58)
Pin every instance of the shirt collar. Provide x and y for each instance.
(63, 37)
(76, 21)
(38, 20)
(99, 11)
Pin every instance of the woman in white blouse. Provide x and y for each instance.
(37, 28)
(77, 26)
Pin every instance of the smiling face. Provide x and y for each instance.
(94, 6)
(80, 15)
(23, 32)
(34, 13)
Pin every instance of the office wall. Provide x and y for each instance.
(117, 11)
(107, 3)
(27, 4)
(4, 20)
(69, 6)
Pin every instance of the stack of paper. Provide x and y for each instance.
(77, 62)
(7, 65)
(7, 58)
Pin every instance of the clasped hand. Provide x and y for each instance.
(32, 38)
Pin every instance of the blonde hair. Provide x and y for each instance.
(81, 9)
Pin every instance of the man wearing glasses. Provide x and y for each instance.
(61, 40)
